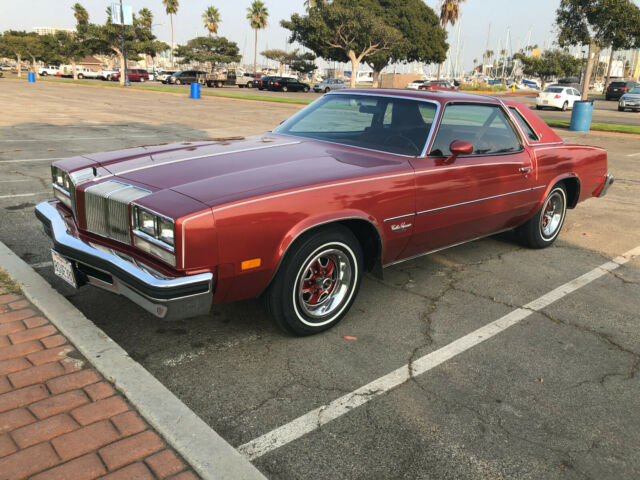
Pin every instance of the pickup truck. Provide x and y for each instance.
(83, 72)
(49, 70)
(220, 79)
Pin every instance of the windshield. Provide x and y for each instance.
(635, 90)
(388, 124)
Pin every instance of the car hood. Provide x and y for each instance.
(631, 97)
(227, 170)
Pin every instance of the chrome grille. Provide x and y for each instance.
(107, 208)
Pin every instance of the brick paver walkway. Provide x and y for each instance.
(59, 419)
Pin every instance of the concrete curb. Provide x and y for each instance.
(207, 453)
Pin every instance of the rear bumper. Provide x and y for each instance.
(169, 298)
(608, 181)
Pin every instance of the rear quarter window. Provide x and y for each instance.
(528, 129)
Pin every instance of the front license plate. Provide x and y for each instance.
(546, 102)
(63, 268)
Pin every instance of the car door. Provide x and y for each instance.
(474, 195)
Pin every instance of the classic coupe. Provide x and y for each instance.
(354, 182)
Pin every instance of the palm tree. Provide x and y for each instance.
(257, 14)
(211, 19)
(146, 18)
(171, 7)
(449, 14)
(81, 14)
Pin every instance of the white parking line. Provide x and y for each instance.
(633, 154)
(64, 139)
(14, 181)
(25, 160)
(322, 415)
(24, 194)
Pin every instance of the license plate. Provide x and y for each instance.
(546, 102)
(615, 89)
(63, 268)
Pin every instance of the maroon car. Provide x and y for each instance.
(354, 182)
(135, 75)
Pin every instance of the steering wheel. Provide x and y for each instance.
(404, 139)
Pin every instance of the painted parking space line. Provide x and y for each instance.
(326, 413)
(24, 194)
(634, 154)
(16, 181)
(65, 139)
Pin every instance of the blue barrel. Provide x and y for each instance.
(195, 90)
(581, 116)
(31, 77)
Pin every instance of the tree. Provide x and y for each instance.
(14, 44)
(209, 50)
(106, 39)
(304, 63)
(211, 19)
(422, 37)
(68, 47)
(281, 56)
(552, 63)
(171, 7)
(80, 13)
(449, 14)
(146, 18)
(587, 23)
(257, 15)
(343, 30)
(622, 31)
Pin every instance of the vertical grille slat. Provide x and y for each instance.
(107, 208)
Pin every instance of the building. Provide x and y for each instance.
(51, 29)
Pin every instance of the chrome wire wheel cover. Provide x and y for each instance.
(324, 283)
(552, 216)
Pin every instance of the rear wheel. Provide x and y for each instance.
(178, 82)
(317, 282)
(80, 76)
(249, 85)
(541, 230)
(565, 105)
(620, 109)
(285, 89)
(327, 89)
(305, 89)
(141, 79)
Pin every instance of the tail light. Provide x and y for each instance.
(624, 88)
(557, 96)
(276, 83)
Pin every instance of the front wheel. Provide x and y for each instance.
(317, 282)
(327, 90)
(620, 109)
(178, 82)
(81, 76)
(285, 89)
(305, 89)
(541, 230)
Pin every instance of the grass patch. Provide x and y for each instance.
(7, 285)
(483, 88)
(600, 127)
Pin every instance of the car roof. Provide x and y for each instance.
(437, 95)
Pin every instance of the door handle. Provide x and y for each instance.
(525, 169)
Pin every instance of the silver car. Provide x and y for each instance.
(329, 84)
(630, 100)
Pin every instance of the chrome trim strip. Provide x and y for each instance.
(480, 200)
(399, 217)
(158, 243)
(436, 116)
(444, 248)
(230, 152)
(608, 181)
(61, 190)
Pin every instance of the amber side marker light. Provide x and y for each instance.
(253, 263)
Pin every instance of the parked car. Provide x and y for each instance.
(415, 85)
(437, 85)
(616, 89)
(630, 100)
(263, 83)
(284, 84)
(4, 66)
(135, 75)
(163, 75)
(248, 80)
(329, 84)
(105, 74)
(185, 77)
(356, 181)
(558, 97)
(49, 70)
(84, 72)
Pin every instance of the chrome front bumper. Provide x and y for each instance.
(608, 181)
(169, 298)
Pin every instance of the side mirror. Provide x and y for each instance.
(457, 148)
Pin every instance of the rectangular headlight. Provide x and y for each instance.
(153, 227)
(146, 222)
(166, 231)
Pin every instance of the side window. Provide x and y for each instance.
(528, 130)
(486, 127)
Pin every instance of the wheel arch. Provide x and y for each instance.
(363, 227)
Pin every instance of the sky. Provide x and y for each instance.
(519, 17)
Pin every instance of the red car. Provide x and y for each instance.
(354, 182)
(135, 75)
(438, 85)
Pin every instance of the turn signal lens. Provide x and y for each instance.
(253, 263)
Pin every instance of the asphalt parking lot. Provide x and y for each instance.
(553, 396)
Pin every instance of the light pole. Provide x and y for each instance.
(153, 59)
(124, 49)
